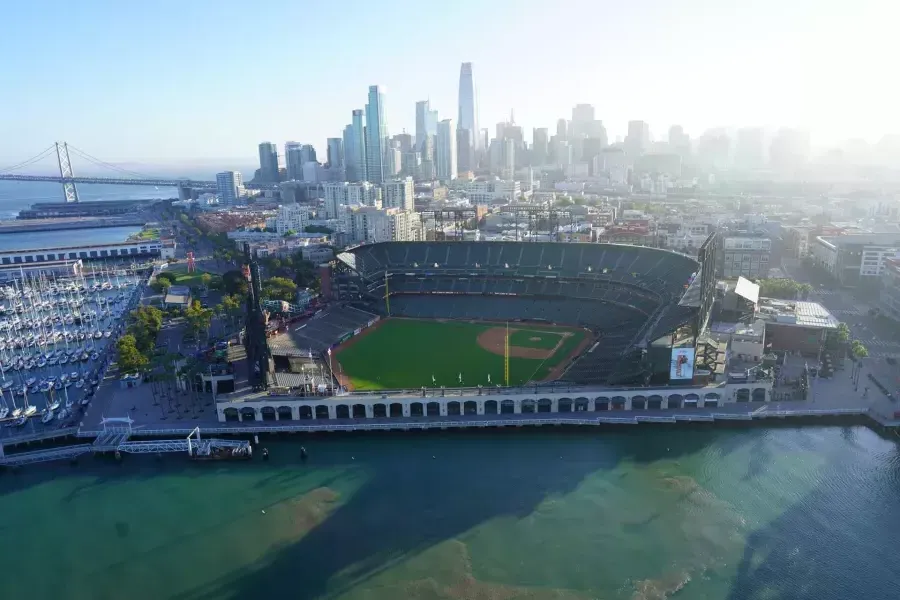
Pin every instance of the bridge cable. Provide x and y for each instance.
(46, 152)
(102, 163)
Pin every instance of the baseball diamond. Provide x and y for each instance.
(400, 353)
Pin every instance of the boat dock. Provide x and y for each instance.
(115, 438)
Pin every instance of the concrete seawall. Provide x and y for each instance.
(65, 223)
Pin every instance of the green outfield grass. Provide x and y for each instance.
(545, 340)
(403, 353)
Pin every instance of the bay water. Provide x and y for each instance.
(638, 513)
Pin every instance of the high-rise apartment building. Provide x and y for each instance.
(335, 198)
(367, 224)
(335, 153)
(468, 115)
(562, 129)
(291, 217)
(363, 193)
(376, 136)
(268, 162)
(445, 151)
(355, 148)
(400, 193)
(229, 187)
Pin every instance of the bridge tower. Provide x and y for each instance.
(70, 191)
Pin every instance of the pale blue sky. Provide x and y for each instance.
(156, 81)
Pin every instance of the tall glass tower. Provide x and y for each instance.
(468, 117)
(376, 136)
(355, 148)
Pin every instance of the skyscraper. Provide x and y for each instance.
(562, 129)
(376, 136)
(465, 150)
(293, 160)
(229, 187)
(638, 138)
(355, 148)
(539, 146)
(426, 122)
(268, 162)
(468, 115)
(335, 153)
(445, 151)
(582, 120)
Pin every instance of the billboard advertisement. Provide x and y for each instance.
(682, 366)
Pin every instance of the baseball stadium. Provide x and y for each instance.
(456, 314)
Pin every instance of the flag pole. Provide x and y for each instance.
(387, 298)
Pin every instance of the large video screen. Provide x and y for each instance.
(682, 366)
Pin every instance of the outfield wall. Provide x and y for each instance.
(486, 401)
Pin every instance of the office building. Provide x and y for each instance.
(562, 129)
(465, 151)
(855, 259)
(468, 115)
(890, 289)
(268, 162)
(426, 123)
(746, 255)
(293, 161)
(539, 146)
(376, 136)
(400, 193)
(355, 148)
(445, 151)
(582, 120)
(638, 139)
(229, 187)
(335, 153)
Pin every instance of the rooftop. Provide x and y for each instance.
(797, 313)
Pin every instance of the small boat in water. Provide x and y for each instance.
(94, 356)
(30, 410)
(3, 412)
(48, 416)
(85, 401)
(61, 415)
(79, 384)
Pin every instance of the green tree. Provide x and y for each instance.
(198, 318)
(130, 359)
(858, 349)
(843, 332)
(279, 288)
(234, 282)
(167, 276)
(233, 308)
(206, 279)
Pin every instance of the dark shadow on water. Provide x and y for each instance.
(411, 501)
(822, 548)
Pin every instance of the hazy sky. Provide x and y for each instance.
(128, 80)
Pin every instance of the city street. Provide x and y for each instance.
(881, 340)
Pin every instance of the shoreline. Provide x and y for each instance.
(26, 448)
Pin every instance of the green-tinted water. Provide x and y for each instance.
(643, 513)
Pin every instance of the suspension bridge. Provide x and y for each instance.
(69, 181)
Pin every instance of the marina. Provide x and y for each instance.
(55, 340)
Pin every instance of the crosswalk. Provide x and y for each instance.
(885, 354)
(881, 344)
(841, 312)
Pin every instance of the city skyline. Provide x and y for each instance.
(153, 82)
